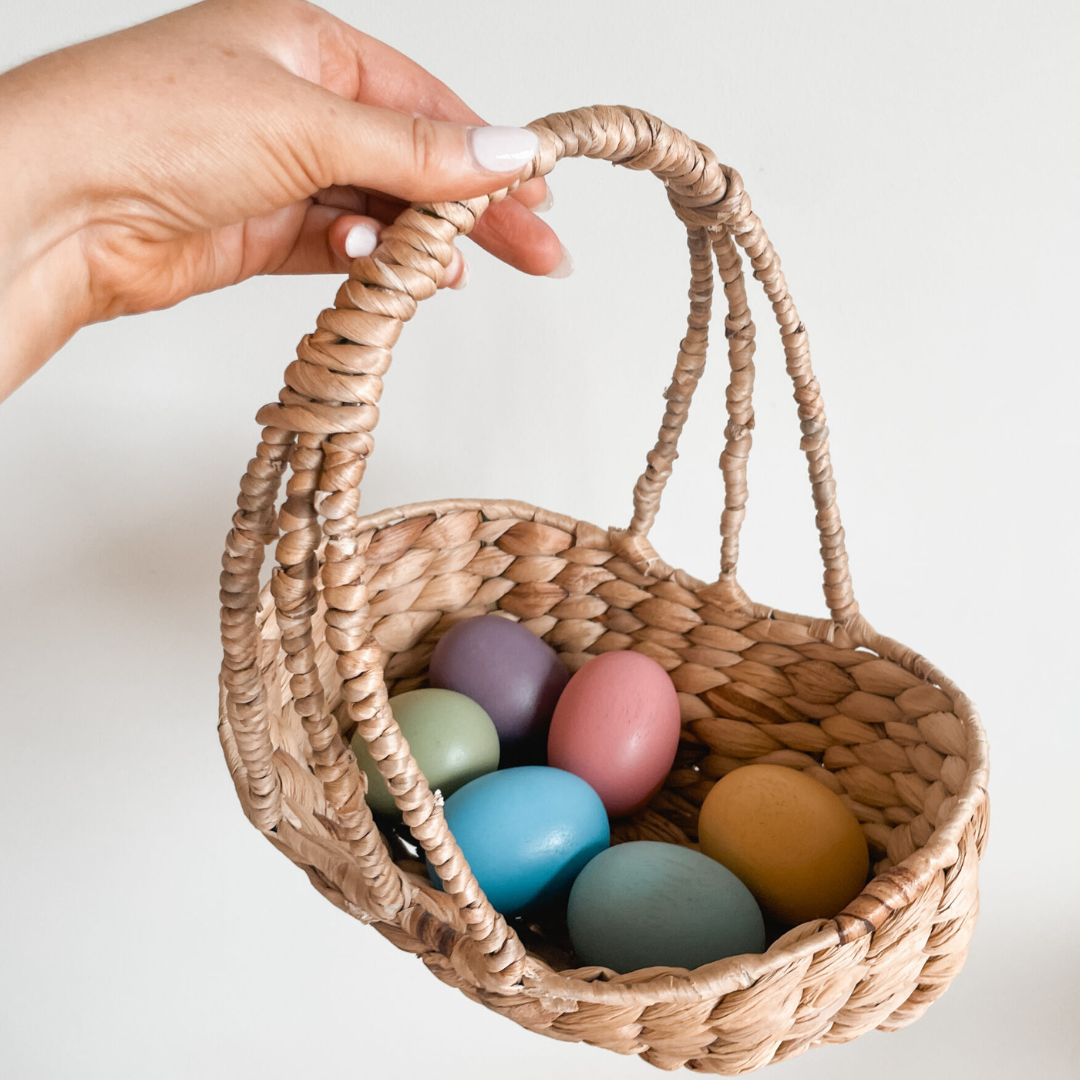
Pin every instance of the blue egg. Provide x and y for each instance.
(644, 904)
(526, 833)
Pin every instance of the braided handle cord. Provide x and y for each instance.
(729, 223)
(254, 526)
(330, 402)
(689, 366)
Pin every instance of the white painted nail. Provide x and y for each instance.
(463, 276)
(360, 240)
(546, 203)
(502, 149)
(565, 267)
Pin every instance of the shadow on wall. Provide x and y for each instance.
(166, 558)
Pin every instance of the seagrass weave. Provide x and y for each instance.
(355, 605)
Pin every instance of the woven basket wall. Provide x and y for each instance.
(356, 604)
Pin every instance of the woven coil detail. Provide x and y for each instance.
(355, 604)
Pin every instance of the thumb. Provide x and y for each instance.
(411, 157)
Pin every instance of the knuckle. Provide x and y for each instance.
(425, 145)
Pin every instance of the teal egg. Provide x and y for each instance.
(526, 833)
(644, 904)
(451, 737)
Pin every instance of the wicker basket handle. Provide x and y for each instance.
(730, 224)
(321, 426)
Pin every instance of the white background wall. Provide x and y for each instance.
(916, 167)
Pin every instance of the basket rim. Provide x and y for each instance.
(907, 880)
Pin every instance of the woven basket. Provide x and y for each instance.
(356, 604)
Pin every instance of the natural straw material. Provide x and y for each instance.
(356, 604)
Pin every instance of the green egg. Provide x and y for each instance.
(451, 737)
(645, 904)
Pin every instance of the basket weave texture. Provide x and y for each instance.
(356, 604)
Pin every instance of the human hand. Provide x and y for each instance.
(232, 138)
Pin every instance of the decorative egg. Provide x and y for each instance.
(451, 737)
(645, 904)
(507, 669)
(617, 726)
(526, 833)
(790, 839)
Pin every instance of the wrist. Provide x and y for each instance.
(44, 293)
(40, 309)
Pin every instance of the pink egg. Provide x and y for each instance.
(616, 726)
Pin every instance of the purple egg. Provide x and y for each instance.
(508, 670)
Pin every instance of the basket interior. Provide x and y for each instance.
(754, 686)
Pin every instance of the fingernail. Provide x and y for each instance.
(546, 203)
(502, 149)
(463, 275)
(565, 267)
(360, 240)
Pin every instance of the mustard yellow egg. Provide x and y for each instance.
(789, 839)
